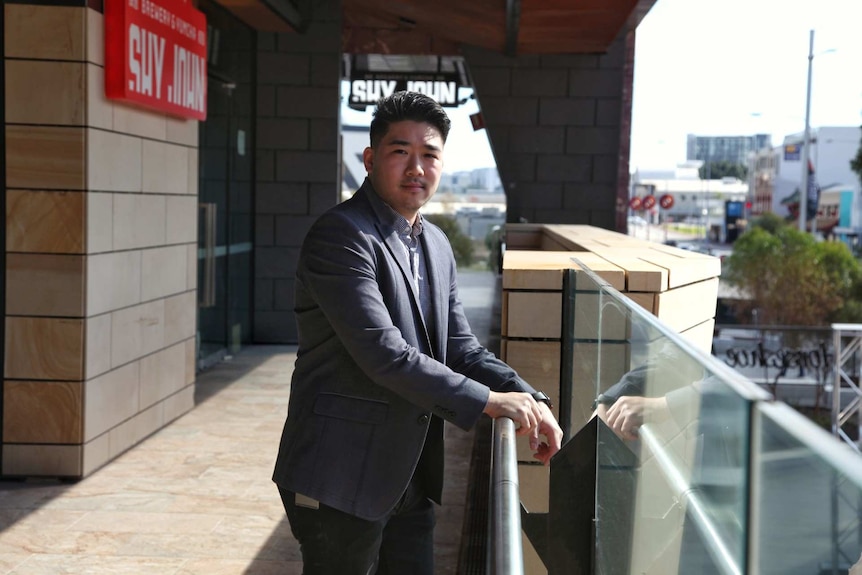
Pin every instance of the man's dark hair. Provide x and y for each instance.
(412, 106)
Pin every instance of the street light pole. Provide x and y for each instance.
(803, 192)
(706, 208)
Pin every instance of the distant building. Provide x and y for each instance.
(762, 170)
(478, 181)
(776, 173)
(456, 182)
(733, 149)
(477, 223)
(696, 201)
(487, 179)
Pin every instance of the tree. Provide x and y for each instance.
(856, 163)
(844, 272)
(769, 221)
(461, 243)
(722, 169)
(791, 279)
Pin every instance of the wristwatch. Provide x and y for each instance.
(603, 399)
(541, 396)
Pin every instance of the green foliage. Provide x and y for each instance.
(769, 222)
(723, 169)
(793, 279)
(856, 163)
(851, 311)
(494, 243)
(461, 243)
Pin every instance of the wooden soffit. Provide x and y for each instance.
(511, 27)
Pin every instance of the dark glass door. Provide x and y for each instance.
(225, 190)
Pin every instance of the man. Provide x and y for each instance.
(385, 355)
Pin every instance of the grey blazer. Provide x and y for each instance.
(362, 395)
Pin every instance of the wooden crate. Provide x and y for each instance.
(678, 286)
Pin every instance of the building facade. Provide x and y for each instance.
(777, 172)
(694, 201)
(732, 149)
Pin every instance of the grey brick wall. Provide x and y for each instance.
(558, 126)
(297, 170)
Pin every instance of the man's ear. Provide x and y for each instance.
(368, 159)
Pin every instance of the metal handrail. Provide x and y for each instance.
(508, 553)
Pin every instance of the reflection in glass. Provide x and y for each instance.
(698, 470)
(672, 459)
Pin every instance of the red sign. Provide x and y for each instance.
(477, 120)
(156, 55)
(649, 202)
(666, 201)
(635, 203)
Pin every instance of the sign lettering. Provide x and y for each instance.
(371, 90)
(155, 55)
(146, 61)
(367, 88)
(783, 358)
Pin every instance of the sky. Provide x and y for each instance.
(740, 67)
(718, 67)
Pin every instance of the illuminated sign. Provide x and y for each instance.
(155, 55)
(366, 88)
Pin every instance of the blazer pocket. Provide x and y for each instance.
(357, 409)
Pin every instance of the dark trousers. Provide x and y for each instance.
(336, 543)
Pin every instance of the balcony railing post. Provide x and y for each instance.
(567, 352)
(508, 556)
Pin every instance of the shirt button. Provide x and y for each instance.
(423, 419)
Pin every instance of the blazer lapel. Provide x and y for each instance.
(396, 248)
(439, 295)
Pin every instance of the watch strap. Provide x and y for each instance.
(542, 397)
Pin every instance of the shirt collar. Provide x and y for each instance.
(392, 218)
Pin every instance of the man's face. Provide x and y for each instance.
(405, 166)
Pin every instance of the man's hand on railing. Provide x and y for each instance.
(530, 417)
(519, 407)
(543, 451)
